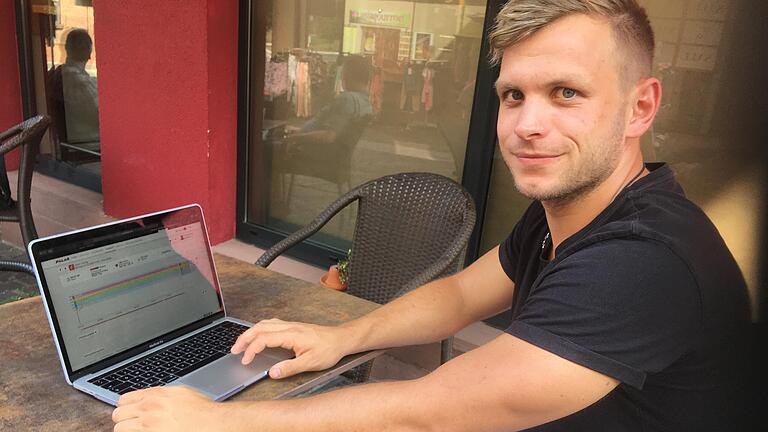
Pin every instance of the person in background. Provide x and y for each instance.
(351, 104)
(73, 95)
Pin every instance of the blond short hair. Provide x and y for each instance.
(520, 19)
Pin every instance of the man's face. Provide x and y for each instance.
(563, 109)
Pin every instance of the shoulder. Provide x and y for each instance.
(626, 272)
(624, 307)
(351, 97)
(356, 101)
(632, 286)
(659, 213)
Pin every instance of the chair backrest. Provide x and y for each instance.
(353, 132)
(345, 144)
(28, 135)
(329, 161)
(411, 228)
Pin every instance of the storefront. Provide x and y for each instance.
(196, 103)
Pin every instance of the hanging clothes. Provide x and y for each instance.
(427, 92)
(412, 87)
(292, 64)
(374, 92)
(275, 79)
(338, 86)
(303, 89)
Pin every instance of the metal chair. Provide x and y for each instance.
(411, 228)
(28, 135)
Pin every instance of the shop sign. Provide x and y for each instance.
(43, 7)
(379, 19)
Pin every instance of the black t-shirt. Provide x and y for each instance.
(648, 294)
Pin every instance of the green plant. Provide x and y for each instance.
(343, 267)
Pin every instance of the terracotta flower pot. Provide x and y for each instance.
(332, 280)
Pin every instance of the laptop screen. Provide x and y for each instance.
(116, 287)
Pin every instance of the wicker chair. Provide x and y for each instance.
(27, 135)
(411, 228)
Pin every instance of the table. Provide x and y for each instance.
(35, 396)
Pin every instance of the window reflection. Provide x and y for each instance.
(70, 82)
(73, 92)
(323, 133)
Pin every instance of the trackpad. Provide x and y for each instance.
(226, 376)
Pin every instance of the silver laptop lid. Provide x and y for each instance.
(116, 290)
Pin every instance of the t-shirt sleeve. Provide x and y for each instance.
(623, 307)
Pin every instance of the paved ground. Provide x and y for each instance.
(13, 285)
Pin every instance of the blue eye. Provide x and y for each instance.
(516, 95)
(567, 93)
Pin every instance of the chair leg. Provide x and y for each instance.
(360, 374)
(446, 350)
(289, 190)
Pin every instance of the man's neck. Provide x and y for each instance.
(76, 63)
(567, 217)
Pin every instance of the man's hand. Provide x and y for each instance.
(167, 409)
(316, 347)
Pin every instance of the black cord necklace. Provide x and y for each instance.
(546, 237)
(642, 168)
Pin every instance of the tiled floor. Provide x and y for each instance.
(58, 207)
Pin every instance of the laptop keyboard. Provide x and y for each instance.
(173, 362)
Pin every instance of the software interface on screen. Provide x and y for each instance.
(112, 298)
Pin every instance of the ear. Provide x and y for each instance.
(646, 103)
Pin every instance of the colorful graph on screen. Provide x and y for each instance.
(131, 284)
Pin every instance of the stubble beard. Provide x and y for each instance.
(574, 183)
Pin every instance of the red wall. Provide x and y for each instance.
(168, 107)
(10, 89)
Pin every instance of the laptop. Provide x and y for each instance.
(136, 303)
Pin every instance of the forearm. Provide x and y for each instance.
(507, 384)
(436, 310)
(378, 407)
(485, 390)
(428, 314)
(313, 137)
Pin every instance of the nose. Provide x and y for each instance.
(530, 122)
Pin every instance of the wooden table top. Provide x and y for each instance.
(35, 396)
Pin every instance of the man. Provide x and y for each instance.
(625, 300)
(74, 99)
(323, 146)
(333, 120)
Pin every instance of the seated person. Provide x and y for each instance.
(351, 104)
(74, 100)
